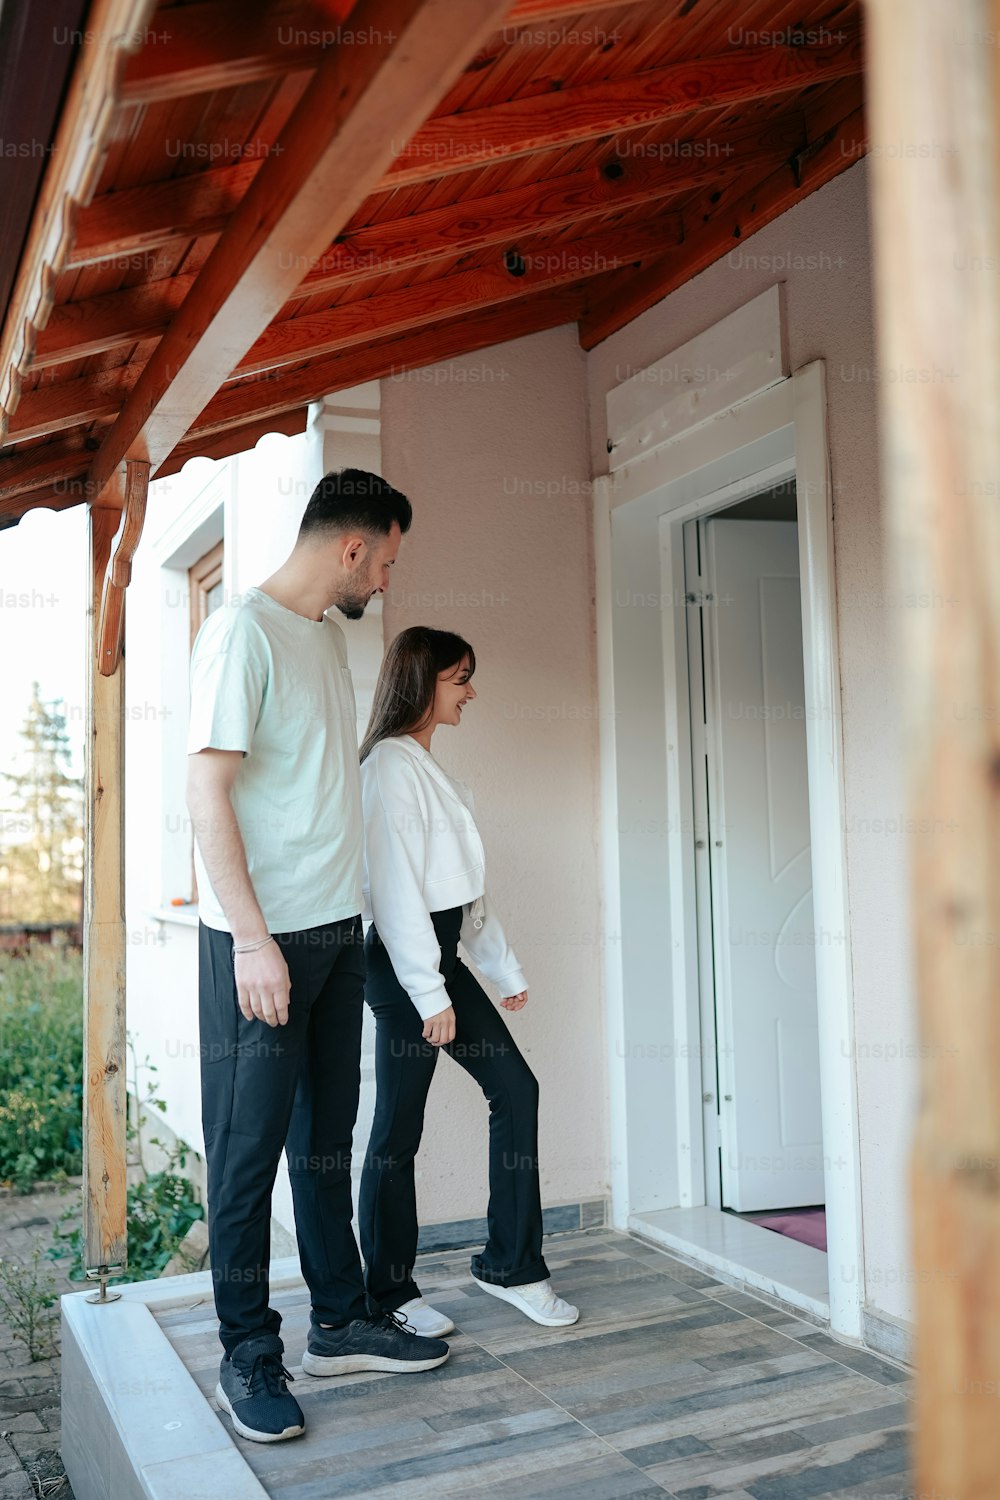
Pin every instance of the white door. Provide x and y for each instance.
(759, 867)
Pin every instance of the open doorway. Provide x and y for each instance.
(759, 1032)
(664, 1185)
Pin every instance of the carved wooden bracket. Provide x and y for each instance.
(119, 573)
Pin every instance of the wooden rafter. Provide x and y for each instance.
(409, 307)
(74, 163)
(482, 137)
(70, 489)
(225, 43)
(137, 219)
(624, 296)
(130, 221)
(221, 44)
(11, 510)
(73, 403)
(386, 359)
(58, 467)
(240, 414)
(114, 320)
(236, 439)
(217, 347)
(57, 407)
(117, 319)
(334, 149)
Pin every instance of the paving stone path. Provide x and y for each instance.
(30, 1462)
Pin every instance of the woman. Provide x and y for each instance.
(425, 892)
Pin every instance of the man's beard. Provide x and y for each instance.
(353, 605)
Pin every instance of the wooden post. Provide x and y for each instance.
(934, 102)
(104, 1099)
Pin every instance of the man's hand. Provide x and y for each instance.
(440, 1029)
(263, 985)
(515, 1002)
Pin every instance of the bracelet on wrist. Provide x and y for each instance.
(252, 947)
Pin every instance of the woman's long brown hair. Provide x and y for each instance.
(404, 692)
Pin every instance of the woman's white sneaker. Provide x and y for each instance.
(537, 1300)
(424, 1319)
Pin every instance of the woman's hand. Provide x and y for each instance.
(515, 1002)
(440, 1029)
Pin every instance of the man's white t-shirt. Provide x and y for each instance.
(277, 686)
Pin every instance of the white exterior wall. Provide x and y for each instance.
(820, 251)
(492, 451)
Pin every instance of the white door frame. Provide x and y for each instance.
(756, 443)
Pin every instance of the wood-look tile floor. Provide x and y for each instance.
(671, 1383)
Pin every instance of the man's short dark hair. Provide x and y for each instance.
(354, 500)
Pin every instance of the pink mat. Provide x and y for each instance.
(807, 1225)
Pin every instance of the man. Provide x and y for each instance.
(274, 797)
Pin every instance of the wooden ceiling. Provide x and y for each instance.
(260, 203)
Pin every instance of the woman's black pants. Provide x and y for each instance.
(404, 1067)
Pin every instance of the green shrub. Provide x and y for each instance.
(28, 1300)
(160, 1209)
(41, 1113)
(160, 1206)
(41, 1066)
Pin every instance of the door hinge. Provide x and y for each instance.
(698, 597)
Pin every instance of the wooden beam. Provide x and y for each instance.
(721, 227)
(221, 44)
(55, 476)
(62, 466)
(482, 137)
(129, 223)
(531, 12)
(544, 266)
(70, 490)
(73, 166)
(86, 399)
(12, 509)
(384, 359)
(59, 406)
(135, 221)
(111, 627)
(35, 76)
(236, 439)
(77, 330)
(104, 1096)
(334, 149)
(114, 320)
(934, 97)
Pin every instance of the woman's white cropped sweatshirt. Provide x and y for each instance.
(423, 853)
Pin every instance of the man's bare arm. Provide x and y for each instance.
(261, 976)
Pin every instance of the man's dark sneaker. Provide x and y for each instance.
(382, 1342)
(252, 1390)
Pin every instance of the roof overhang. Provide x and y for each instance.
(241, 213)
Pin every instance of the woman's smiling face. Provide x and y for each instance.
(454, 690)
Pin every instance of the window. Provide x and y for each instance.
(205, 587)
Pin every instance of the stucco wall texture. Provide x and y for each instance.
(493, 451)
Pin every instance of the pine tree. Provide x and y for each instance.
(41, 828)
